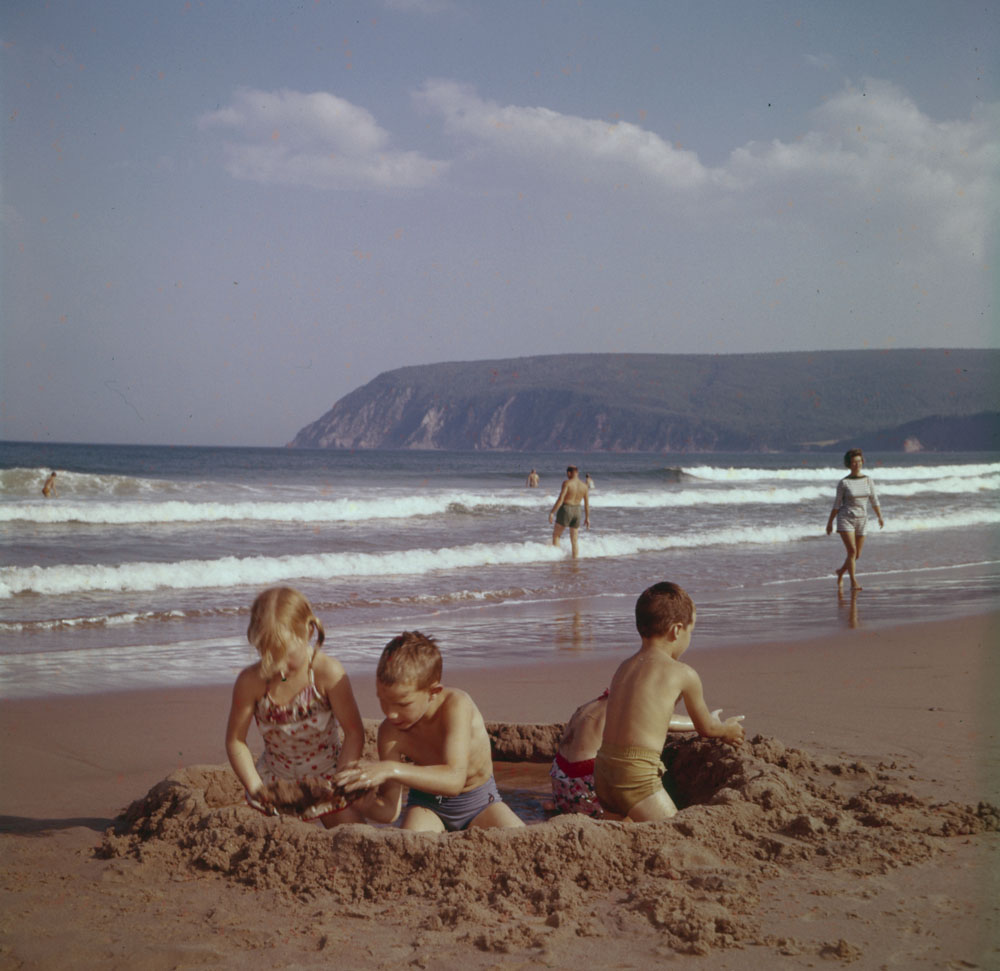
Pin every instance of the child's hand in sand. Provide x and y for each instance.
(364, 775)
(259, 800)
(734, 730)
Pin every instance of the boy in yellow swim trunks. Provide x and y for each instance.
(628, 771)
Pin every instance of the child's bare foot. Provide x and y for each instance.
(856, 588)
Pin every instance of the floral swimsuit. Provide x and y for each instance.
(301, 737)
(573, 786)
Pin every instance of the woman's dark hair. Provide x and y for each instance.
(849, 456)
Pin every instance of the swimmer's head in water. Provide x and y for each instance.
(280, 618)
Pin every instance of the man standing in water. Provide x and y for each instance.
(567, 508)
(49, 489)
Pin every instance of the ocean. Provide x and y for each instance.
(140, 572)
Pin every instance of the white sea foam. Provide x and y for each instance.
(254, 571)
(679, 498)
(231, 571)
(97, 620)
(318, 511)
(946, 485)
(386, 507)
(28, 482)
(764, 494)
(880, 473)
(19, 483)
(123, 619)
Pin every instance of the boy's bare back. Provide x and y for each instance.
(584, 730)
(644, 691)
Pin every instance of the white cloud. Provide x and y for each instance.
(318, 140)
(869, 150)
(873, 146)
(576, 144)
(870, 155)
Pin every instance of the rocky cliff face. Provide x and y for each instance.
(521, 421)
(654, 403)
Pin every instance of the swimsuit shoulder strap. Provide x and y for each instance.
(312, 672)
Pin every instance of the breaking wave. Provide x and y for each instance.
(255, 571)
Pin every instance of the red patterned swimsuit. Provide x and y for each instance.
(301, 737)
(573, 786)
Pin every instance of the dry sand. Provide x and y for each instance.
(857, 826)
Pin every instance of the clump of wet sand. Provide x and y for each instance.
(308, 797)
(747, 815)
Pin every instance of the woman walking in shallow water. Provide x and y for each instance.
(850, 510)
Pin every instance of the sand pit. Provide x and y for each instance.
(747, 817)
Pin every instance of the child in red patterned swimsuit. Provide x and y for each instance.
(297, 695)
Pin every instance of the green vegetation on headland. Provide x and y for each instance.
(938, 399)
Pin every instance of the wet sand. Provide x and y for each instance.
(856, 826)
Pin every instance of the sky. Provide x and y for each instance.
(220, 217)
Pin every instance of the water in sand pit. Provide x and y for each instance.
(526, 788)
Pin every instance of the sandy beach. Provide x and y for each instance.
(856, 826)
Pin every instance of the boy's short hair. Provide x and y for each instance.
(661, 606)
(849, 456)
(279, 616)
(411, 658)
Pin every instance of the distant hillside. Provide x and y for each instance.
(971, 433)
(664, 402)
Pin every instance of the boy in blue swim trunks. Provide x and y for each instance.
(434, 741)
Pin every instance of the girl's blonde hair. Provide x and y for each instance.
(279, 617)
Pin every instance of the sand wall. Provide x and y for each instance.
(746, 816)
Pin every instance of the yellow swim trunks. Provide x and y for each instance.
(624, 777)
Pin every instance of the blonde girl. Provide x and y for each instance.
(297, 695)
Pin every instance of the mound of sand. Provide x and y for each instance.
(747, 816)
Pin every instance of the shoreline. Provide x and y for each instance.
(596, 627)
